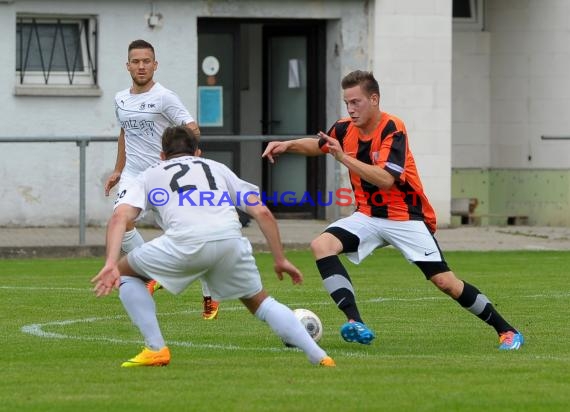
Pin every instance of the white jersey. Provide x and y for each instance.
(143, 117)
(193, 198)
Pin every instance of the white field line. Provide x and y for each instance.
(37, 329)
(371, 300)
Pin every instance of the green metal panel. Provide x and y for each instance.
(542, 195)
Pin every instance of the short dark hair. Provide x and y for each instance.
(140, 44)
(179, 140)
(363, 79)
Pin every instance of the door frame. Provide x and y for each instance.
(315, 32)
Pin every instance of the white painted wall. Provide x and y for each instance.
(530, 85)
(412, 61)
(510, 86)
(471, 97)
(40, 181)
(514, 79)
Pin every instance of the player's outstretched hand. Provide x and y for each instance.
(333, 146)
(106, 280)
(273, 150)
(290, 269)
(111, 182)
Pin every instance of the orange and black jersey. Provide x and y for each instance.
(387, 147)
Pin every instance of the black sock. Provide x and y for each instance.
(338, 284)
(478, 304)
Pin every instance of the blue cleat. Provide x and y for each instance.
(353, 331)
(510, 341)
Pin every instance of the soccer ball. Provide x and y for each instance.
(311, 322)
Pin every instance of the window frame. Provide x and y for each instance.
(474, 23)
(61, 82)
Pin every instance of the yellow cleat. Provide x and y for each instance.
(210, 308)
(149, 358)
(327, 361)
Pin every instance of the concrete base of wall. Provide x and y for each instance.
(507, 196)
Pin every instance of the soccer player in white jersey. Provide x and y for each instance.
(144, 111)
(195, 202)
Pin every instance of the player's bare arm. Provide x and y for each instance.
(114, 178)
(270, 230)
(371, 173)
(307, 146)
(108, 277)
(123, 215)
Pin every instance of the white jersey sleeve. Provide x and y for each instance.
(174, 110)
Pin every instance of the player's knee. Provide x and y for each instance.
(321, 247)
(316, 246)
(331, 242)
(446, 282)
(441, 283)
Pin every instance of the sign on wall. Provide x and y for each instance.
(210, 106)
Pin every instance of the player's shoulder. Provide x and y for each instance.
(122, 93)
(164, 95)
(341, 127)
(159, 89)
(395, 120)
(213, 164)
(343, 121)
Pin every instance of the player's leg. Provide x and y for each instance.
(140, 307)
(341, 238)
(235, 275)
(132, 239)
(211, 306)
(419, 246)
(152, 286)
(285, 325)
(470, 298)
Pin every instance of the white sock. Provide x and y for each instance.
(284, 323)
(140, 306)
(131, 240)
(205, 288)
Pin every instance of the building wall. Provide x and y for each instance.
(412, 60)
(40, 180)
(510, 87)
(471, 93)
(513, 77)
(530, 86)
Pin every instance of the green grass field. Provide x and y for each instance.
(62, 347)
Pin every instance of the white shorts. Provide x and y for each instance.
(227, 266)
(125, 181)
(411, 237)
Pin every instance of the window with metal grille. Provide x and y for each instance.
(56, 51)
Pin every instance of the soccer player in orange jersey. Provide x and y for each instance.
(392, 209)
